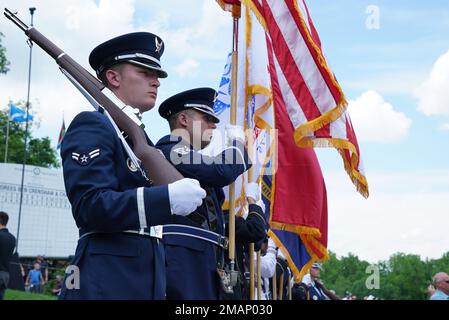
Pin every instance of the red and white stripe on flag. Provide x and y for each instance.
(309, 91)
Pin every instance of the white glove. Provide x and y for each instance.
(272, 246)
(185, 196)
(234, 133)
(252, 191)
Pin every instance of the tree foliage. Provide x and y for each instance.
(3, 61)
(401, 277)
(39, 150)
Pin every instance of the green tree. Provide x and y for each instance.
(409, 275)
(3, 61)
(346, 274)
(401, 277)
(39, 151)
(439, 265)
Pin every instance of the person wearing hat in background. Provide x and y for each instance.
(118, 210)
(195, 243)
(317, 290)
(311, 280)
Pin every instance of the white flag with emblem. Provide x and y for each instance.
(254, 104)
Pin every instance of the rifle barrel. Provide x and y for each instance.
(11, 16)
(162, 171)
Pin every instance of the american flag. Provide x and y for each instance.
(309, 91)
(284, 83)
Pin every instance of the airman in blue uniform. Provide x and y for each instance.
(116, 208)
(195, 243)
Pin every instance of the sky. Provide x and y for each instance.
(390, 57)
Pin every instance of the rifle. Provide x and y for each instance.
(162, 171)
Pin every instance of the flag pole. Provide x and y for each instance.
(7, 133)
(251, 245)
(259, 277)
(289, 286)
(233, 120)
(26, 132)
(251, 271)
(281, 285)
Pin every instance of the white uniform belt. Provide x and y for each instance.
(155, 232)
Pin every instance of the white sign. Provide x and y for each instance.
(46, 223)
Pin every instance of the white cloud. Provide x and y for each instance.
(187, 67)
(202, 39)
(76, 27)
(406, 212)
(375, 120)
(433, 94)
(444, 127)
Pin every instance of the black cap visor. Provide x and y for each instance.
(161, 73)
(204, 109)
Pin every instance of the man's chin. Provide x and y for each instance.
(146, 107)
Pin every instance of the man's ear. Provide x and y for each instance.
(183, 119)
(113, 78)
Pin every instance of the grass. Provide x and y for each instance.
(21, 295)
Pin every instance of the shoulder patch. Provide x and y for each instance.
(85, 158)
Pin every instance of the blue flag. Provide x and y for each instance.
(18, 115)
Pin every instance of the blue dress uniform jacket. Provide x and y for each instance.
(109, 196)
(192, 262)
(316, 293)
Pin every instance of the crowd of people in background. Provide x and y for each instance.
(37, 276)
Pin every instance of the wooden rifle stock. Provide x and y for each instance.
(156, 167)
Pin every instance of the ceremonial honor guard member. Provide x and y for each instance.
(116, 208)
(195, 243)
(249, 228)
